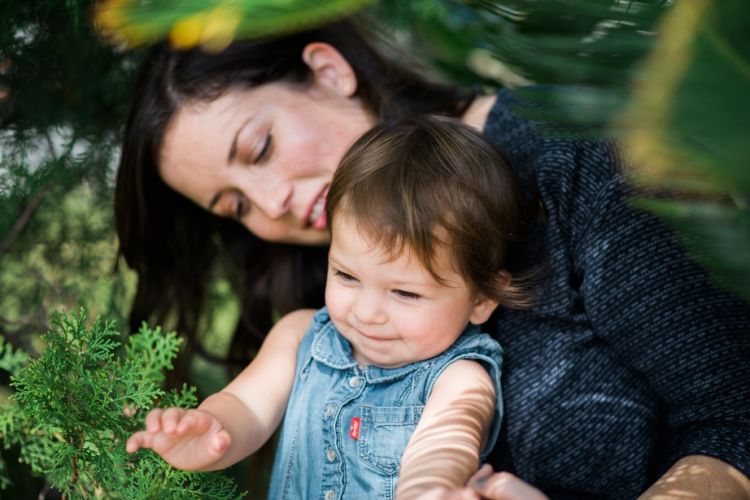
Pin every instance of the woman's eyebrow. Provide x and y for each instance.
(233, 147)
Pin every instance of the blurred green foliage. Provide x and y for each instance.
(63, 98)
(669, 79)
(590, 46)
(213, 23)
(666, 79)
(686, 132)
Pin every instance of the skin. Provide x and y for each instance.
(265, 156)
(392, 310)
(699, 476)
(231, 424)
(391, 298)
(487, 484)
(311, 127)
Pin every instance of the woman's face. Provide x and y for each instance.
(264, 156)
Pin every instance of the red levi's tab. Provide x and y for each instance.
(354, 428)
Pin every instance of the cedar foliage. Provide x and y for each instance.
(75, 405)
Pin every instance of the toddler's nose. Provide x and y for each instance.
(368, 309)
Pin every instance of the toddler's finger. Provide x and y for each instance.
(221, 441)
(170, 418)
(137, 441)
(193, 421)
(153, 420)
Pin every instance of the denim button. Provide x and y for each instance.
(330, 455)
(330, 409)
(354, 382)
(330, 495)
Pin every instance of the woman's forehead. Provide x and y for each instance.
(240, 103)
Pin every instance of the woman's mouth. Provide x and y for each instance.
(317, 217)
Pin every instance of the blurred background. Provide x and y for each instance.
(667, 79)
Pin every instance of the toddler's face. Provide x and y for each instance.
(393, 311)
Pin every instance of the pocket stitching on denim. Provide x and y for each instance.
(368, 425)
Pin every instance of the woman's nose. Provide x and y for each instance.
(276, 199)
(368, 309)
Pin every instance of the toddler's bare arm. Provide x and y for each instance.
(236, 421)
(444, 450)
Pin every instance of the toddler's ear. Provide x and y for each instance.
(482, 310)
(485, 306)
(330, 69)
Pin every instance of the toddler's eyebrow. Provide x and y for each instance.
(417, 282)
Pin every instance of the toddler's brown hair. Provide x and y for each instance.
(429, 181)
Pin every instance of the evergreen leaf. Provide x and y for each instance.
(11, 359)
(78, 402)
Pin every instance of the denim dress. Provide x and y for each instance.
(346, 427)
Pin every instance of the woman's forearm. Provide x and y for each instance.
(698, 476)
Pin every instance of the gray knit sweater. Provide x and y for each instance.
(630, 358)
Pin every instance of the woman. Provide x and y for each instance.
(630, 368)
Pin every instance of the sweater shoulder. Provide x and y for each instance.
(567, 167)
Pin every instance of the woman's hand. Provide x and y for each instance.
(186, 439)
(487, 484)
(502, 486)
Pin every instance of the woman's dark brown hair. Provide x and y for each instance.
(427, 182)
(175, 246)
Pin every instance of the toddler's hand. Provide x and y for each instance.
(186, 439)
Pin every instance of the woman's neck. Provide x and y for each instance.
(478, 111)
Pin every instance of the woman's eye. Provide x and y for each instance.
(407, 295)
(265, 150)
(344, 276)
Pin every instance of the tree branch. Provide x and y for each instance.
(28, 211)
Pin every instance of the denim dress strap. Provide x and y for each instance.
(480, 347)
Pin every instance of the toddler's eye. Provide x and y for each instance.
(407, 295)
(344, 276)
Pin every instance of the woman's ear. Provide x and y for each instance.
(330, 69)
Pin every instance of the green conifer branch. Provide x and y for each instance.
(11, 359)
(76, 404)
